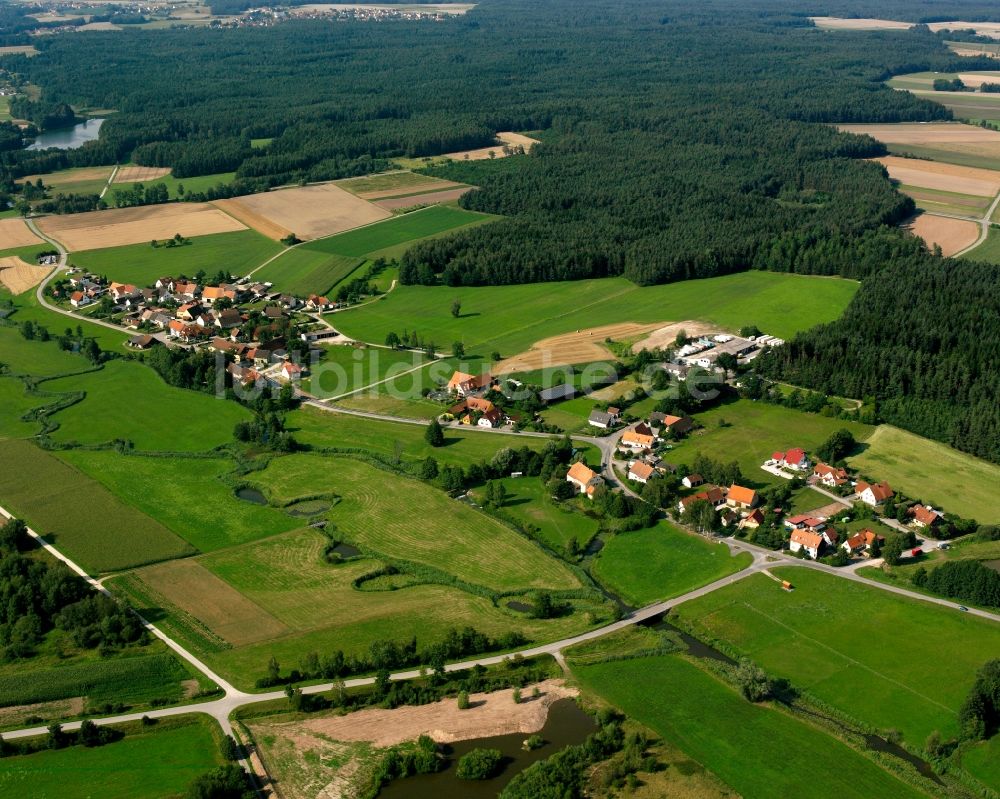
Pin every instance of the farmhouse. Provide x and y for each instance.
(465, 384)
(925, 516)
(319, 303)
(640, 472)
(678, 425)
(229, 319)
(638, 437)
(477, 411)
(211, 294)
(862, 541)
(78, 299)
(829, 476)
(600, 419)
(794, 459)
(805, 540)
(740, 497)
(753, 519)
(185, 290)
(715, 496)
(874, 494)
(584, 478)
(141, 342)
(805, 522)
(291, 371)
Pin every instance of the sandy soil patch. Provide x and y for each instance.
(16, 233)
(943, 177)
(929, 133)
(505, 137)
(581, 346)
(833, 510)
(120, 226)
(666, 335)
(57, 709)
(431, 198)
(837, 23)
(431, 185)
(213, 602)
(137, 174)
(618, 389)
(488, 715)
(19, 276)
(309, 212)
(953, 235)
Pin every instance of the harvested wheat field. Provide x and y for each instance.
(117, 227)
(85, 174)
(990, 29)
(929, 133)
(953, 235)
(505, 137)
(431, 198)
(310, 212)
(16, 233)
(942, 177)
(665, 336)
(840, 24)
(19, 276)
(138, 174)
(582, 346)
(429, 186)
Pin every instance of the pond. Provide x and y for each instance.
(566, 725)
(520, 607)
(695, 648)
(68, 138)
(346, 550)
(251, 495)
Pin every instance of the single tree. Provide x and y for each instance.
(456, 308)
(434, 435)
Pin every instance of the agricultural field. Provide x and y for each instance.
(933, 472)
(949, 142)
(859, 24)
(829, 633)
(160, 417)
(510, 319)
(645, 566)
(557, 524)
(951, 235)
(38, 358)
(303, 271)
(156, 762)
(973, 106)
(187, 495)
(989, 250)
(15, 233)
(416, 200)
(14, 403)
(177, 188)
(131, 173)
(238, 607)
(450, 535)
(49, 495)
(27, 308)
(754, 430)
(394, 184)
(82, 180)
(310, 212)
(346, 369)
(760, 751)
(18, 275)
(944, 187)
(117, 227)
(142, 264)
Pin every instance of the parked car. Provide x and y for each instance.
(963, 608)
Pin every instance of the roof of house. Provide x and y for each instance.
(614, 411)
(76, 296)
(745, 496)
(870, 536)
(794, 456)
(925, 515)
(213, 292)
(564, 391)
(600, 416)
(632, 436)
(714, 495)
(479, 404)
(824, 469)
(799, 518)
(670, 421)
(643, 429)
(856, 541)
(641, 470)
(141, 341)
(756, 515)
(693, 479)
(807, 539)
(291, 368)
(581, 473)
(881, 491)
(469, 381)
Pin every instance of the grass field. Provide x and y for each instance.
(142, 264)
(947, 202)
(160, 417)
(947, 154)
(82, 180)
(79, 515)
(184, 494)
(39, 358)
(191, 185)
(757, 750)
(511, 318)
(304, 270)
(557, 523)
(988, 251)
(983, 762)
(282, 583)
(829, 634)
(14, 402)
(378, 512)
(755, 430)
(28, 309)
(660, 562)
(149, 763)
(933, 472)
(347, 369)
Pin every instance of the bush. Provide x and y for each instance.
(479, 764)
(463, 700)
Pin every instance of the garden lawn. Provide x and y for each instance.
(346, 369)
(755, 430)
(655, 563)
(147, 764)
(556, 523)
(420, 224)
(571, 415)
(142, 264)
(303, 270)
(932, 472)
(187, 495)
(511, 318)
(830, 633)
(127, 400)
(78, 515)
(279, 597)
(759, 751)
(405, 519)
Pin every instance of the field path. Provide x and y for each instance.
(984, 227)
(111, 179)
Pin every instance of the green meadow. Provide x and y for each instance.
(190, 185)
(156, 762)
(510, 319)
(347, 369)
(830, 634)
(645, 566)
(304, 270)
(27, 308)
(14, 403)
(982, 761)
(143, 264)
(758, 750)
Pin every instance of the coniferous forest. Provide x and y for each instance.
(679, 140)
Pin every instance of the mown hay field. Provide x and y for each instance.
(304, 270)
(78, 515)
(18, 276)
(942, 177)
(116, 227)
(80, 180)
(951, 235)
(131, 173)
(15, 233)
(830, 632)
(430, 198)
(393, 184)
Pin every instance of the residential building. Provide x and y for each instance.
(78, 299)
(692, 481)
(874, 493)
(830, 476)
(638, 437)
(740, 497)
(291, 371)
(925, 516)
(640, 472)
(753, 519)
(141, 342)
(584, 478)
(715, 496)
(465, 384)
(794, 459)
(805, 540)
(600, 419)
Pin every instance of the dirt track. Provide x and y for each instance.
(942, 177)
(15, 233)
(19, 276)
(954, 235)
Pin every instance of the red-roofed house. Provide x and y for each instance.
(78, 299)
(792, 459)
(715, 496)
(829, 476)
(291, 371)
(753, 519)
(465, 384)
(874, 493)
(584, 478)
(740, 497)
(925, 516)
(810, 542)
(640, 472)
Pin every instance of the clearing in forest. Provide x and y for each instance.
(138, 174)
(309, 212)
(16, 233)
(867, 24)
(18, 276)
(952, 235)
(114, 228)
(506, 138)
(942, 177)
(926, 133)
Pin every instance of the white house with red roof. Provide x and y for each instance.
(584, 478)
(925, 516)
(465, 384)
(811, 542)
(829, 475)
(874, 493)
(794, 459)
